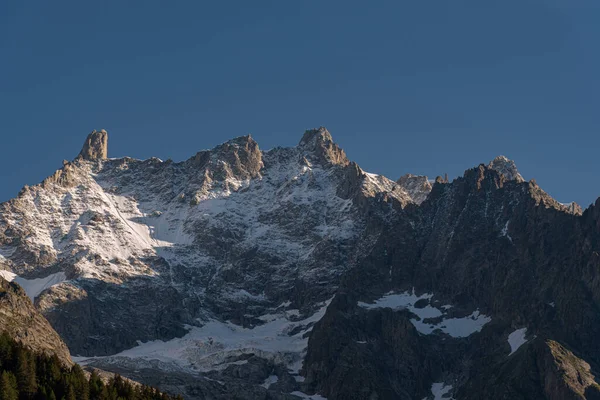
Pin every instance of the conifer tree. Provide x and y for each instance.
(96, 386)
(71, 393)
(26, 377)
(8, 386)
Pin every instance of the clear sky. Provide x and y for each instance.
(427, 87)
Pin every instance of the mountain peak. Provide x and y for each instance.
(239, 141)
(95, 146)
(506, 167)
(239, 157)
(312, 136)
(320, 143)
(418, 186)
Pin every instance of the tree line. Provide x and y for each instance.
(27, 375)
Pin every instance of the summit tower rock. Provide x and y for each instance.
(95, 146)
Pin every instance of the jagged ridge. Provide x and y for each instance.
(240, 240)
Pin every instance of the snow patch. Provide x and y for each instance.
(455, 327)
(33, 287)
(517, 339)
(270, 381)
(9, 276)
(307, 396)
(209, 347)
(439, 391)
(505, 231)
(405, 300)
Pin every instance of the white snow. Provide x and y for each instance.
(516, 339)
(208, 347)
(269, 381)
(405, 300)
(307, 396)
(9, 276)
(505, 231)
(374, 184)
(33, 287)
(455, 327)
(439, 390)
(113, 219)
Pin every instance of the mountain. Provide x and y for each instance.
(243, 273)
(20, 319)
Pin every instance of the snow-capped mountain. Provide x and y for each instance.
(242, 273)
(126, 251)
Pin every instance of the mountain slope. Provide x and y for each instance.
(22, 321)
(149, 249)
(269, 274)
(485, 259)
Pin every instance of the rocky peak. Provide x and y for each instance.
(312, 135)
(238, 158)
(320, 147)
(95, 146)
(573, 208)
(417, 186)
(506, 167)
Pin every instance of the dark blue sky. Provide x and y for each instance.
(404, 86)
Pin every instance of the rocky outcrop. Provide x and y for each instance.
(394, 360)
(573, 208)
(565, 375)
(95, 146)
(24, 323)
(543, 369)
(417, 186)
(66, 176)
(320, 148)
(506, 167)
(239, 159)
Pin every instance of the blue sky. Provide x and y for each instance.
(404, 86)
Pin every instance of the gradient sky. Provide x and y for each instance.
(404, 86)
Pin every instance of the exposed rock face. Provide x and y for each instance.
(393, 358)
(239, 158)
(232, 232)
(506, 167)
(24, 323)
(573, 208)
(66, 176)
(492, 245)
(277, 266)
(321, 148)
(544, 369)
(95, 146)
(417, 186)
(565, 375)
